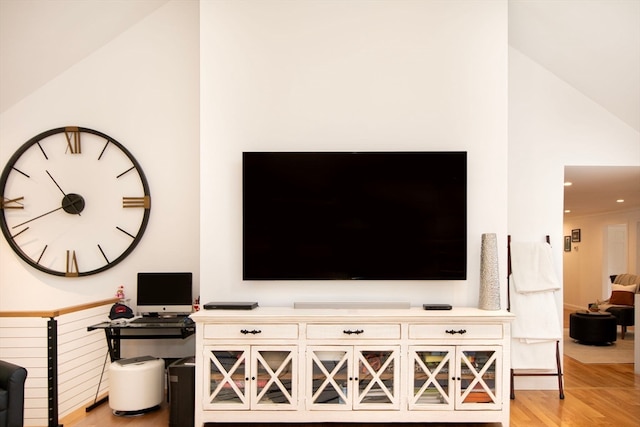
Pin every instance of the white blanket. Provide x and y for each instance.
(536, 328)
(536, 316)
(533, 356)
(532, 267)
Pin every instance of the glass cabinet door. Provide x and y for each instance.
(478, 377)
(431, 378)
(377, 379)
(330, 377)
(227, 374)
(340, 381)
(274, 377)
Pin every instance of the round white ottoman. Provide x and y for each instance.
(136, 385)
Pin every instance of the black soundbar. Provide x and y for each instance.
(230, 305)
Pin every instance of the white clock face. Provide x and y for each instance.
(74, 202)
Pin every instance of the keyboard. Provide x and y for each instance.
(159, 320)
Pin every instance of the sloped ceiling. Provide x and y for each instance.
(39, 39)
(593, 45)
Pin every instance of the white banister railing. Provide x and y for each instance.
(64, 362)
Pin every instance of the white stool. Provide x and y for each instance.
(136, 385)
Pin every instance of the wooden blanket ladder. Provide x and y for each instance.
(558, 372)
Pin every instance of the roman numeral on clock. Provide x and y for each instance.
(73, 140)
(72, 265)
(136, 202)
(12, 203)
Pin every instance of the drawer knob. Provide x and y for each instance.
(460, 331)
(350, 332)
(252, 332)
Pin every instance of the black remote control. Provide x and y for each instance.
(436, 306)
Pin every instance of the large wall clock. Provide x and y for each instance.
(74, 202)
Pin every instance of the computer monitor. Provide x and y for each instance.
(165, 294)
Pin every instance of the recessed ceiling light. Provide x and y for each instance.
(567, 211)
(620, 201)
(568, 184)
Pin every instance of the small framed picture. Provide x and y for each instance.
(567, 243)
(575, 235)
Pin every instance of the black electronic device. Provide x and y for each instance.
(436, 306)
(230, 305)
(354, 215)
(182, 385)
(165, 293)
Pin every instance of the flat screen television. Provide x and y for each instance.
(165, 294)
(354, 215)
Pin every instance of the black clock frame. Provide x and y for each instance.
(3, 181)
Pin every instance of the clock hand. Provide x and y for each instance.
(70, 201)
(39, 216)
(54, 181)
(63, 193)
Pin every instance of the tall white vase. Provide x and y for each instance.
(489, 280)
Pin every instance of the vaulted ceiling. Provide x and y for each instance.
(593, 45)
(40, 39)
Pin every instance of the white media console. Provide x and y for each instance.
(283, 364)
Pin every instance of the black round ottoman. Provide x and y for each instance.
(592, 328)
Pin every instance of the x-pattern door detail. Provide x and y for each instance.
(479, 371)
(431, 381)
(377, 382)
(228, 377)
(336, 373)
(274, 377)
(330, 372)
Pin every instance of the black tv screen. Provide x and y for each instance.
(354, 215)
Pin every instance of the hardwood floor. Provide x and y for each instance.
(595, 395)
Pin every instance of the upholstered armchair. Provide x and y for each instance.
(621, 301)
(12, 378)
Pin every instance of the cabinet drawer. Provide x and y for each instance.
(353, 331)
(251, 331)
(468, 331)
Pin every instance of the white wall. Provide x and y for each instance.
(142, 89)
(357, 75)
